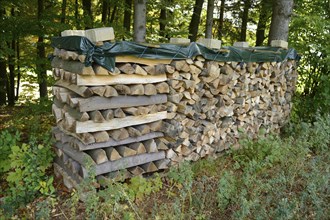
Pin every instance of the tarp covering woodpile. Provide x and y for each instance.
(126, 109)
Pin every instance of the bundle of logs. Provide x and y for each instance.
(146, 114)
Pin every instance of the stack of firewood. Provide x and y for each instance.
(148, 114)
(211, 104)
(108, 122)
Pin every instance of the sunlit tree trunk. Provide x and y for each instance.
(264, 15)
(18, 56)
(221, 17)
(195, 20)
(279, 28)
(140, 9)
(245, 17)
(209, 19)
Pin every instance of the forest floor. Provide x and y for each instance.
(272, 177)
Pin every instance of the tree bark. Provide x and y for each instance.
(63, 13)
(195, 20)
(245, 17)
(162, 21)
(264, 15)
(11, 67)
(128, 15)
(279, 28)
(18, 69)
(41, 55)
(76, 14)
(140, 9)
(105, 7)
(3, 82)
(220, 26)
(209, 19)
(114, 11)
(88, 15)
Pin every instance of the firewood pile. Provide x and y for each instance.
(149, 114)
(212, 104)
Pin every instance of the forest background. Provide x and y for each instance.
(26, 31)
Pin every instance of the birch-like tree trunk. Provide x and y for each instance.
(140, 10)
(279, 28)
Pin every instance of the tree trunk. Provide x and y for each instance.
(279, 28)
(18, 69)
(140, 9)
(88, 15)
(3, 67)
(76, 14)
(105, 7)
(128, 15)
(63, 14)
(113, 14)
(3, 82)
(245, 17)
(41, 55)
(195, 19)
(162, 21)
(11, 67)
(209, 19)
(220, 26)
(264, 15)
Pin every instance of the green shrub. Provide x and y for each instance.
(27, 175)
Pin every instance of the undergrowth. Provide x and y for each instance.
(269, 177)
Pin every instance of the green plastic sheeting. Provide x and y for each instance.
(105, 55)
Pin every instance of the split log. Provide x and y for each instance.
(98, 155)
(72, 66)
(99, 103)
(112, 154)
(80, 90)
(150, 146)
(116, 123)
(138, 147)
(119, 134)
(149, 167)
(118, 79)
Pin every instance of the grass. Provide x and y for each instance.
(271, 177)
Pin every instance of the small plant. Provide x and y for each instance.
(27, 174)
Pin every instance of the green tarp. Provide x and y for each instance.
(105, 55)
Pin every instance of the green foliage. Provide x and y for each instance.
(7, 140)
(140, 187)
(27, 176)
(309, 34)
(27, 157)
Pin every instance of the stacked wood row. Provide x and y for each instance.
(108, 122)
(146, 114)
(212, 104)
